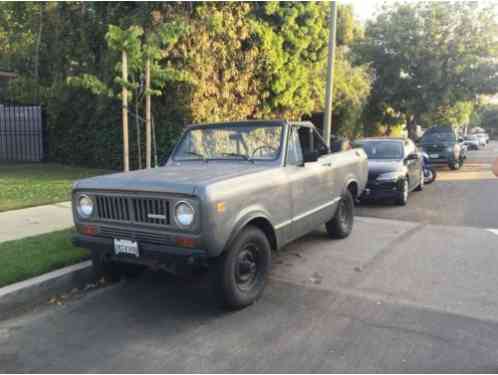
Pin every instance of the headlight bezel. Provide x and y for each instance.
(176, 218)
(81, 213)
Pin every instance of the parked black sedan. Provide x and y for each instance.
(394, 168)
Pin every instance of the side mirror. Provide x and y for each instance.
(310, 156)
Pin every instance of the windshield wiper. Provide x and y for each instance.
(243, 156)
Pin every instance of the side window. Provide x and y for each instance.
(311, 141)
(294, 151)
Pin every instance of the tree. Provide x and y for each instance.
(429, 56)
(138, 54)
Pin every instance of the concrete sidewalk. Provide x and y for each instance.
(29, 222)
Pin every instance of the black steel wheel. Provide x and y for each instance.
(341, 225)
(240, 273)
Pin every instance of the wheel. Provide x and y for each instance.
(241, 272)
(113, 271)
(403, 194)
(454, 165)
(430, 175)
(341, 225)
(420, 187)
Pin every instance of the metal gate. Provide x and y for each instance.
(21, 133)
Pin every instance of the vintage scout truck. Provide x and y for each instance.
(228, 196)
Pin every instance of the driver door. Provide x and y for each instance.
(309, 182)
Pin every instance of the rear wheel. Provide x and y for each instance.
(240, 273)
(341, 225)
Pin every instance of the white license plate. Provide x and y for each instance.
(434, 156)
(126, 247)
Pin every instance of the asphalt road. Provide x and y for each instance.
(467, 197)
(397, 295)
(394, 296)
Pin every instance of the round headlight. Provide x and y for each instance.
(85, 206)
(184, 214)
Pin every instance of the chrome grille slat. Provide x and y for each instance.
(123, 208)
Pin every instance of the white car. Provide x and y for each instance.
(472, 142)
(483, 139)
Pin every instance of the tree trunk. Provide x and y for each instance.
(139, 136)
(126, 157)
(36, 68)
(411, 126)
(148, 141)
(154, 142)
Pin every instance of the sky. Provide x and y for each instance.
(364, 9)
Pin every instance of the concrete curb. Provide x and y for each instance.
(25, 294)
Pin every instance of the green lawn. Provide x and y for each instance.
(26, 185)
(33, 256)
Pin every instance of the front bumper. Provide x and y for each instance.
(150, 254)
(382, 190)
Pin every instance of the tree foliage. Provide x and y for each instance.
(210, 62)
(429, 58)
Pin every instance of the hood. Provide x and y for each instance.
(178, 178)
(378, 166)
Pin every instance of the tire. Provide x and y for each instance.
(341, 225)
(420, 187)
(241, 272)
(403, 194)
(432, 176)
(113, 271)
(455, 165)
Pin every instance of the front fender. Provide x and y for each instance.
(243, 218)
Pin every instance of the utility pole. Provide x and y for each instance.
(329, 93)
(126, 156)
(148, 142)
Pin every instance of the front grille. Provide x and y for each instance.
(132, 209)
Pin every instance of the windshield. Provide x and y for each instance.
(438, 137)
(262, 142)
(382, 149)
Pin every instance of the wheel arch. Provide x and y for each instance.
(259, 220)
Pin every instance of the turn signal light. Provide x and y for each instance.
(89, 230)
(185, 242)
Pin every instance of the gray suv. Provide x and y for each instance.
(229, 195)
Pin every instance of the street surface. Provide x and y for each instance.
(413, 288)
(467, 197)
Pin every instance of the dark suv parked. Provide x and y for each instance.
(442, 146)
